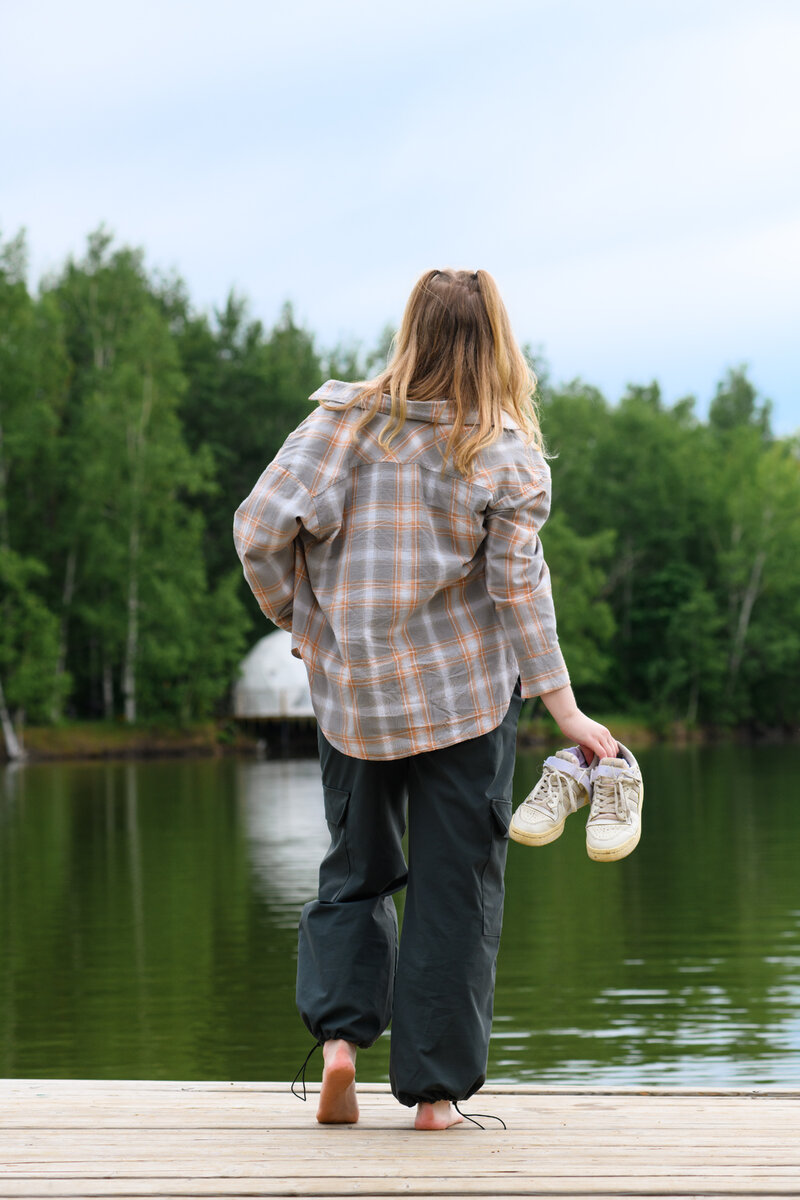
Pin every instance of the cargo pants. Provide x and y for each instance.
(436, 982)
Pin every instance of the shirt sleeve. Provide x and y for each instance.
(518, 581)
(265, 530)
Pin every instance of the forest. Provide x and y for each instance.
(132, 425)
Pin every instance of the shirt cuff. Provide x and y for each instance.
(545, 673)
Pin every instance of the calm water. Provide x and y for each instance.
(148, 912)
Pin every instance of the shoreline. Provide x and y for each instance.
(100, 740)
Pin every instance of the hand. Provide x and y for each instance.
(591, 736)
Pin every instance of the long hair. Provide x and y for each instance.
(455, 344)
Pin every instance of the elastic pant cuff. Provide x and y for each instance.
(324, 1036)
(434, 1095)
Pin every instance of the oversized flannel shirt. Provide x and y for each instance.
(414, 595)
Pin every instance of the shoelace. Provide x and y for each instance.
(486, 1117)
(608, 798)
(549, 791)
(301, 1074)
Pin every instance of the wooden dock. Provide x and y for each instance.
(70, 1138)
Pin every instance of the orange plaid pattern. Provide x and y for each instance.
(414, 595)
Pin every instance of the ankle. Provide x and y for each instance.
(335, 1046)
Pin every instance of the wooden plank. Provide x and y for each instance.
(122, 1088)
(145, 1139)
(277, 1189)
(115, 1086)
(40, 1149)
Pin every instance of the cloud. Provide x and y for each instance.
(628, 172)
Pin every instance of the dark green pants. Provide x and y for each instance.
(438, 990)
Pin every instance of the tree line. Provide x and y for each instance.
(131, 427)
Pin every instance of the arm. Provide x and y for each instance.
(264, 531)
(519, 583)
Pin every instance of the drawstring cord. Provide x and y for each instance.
(302, 1073)
(486, 1117)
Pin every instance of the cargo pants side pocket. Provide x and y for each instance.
(492, 885)
(334, 870)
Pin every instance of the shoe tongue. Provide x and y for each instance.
(569, 756)
(613, 762)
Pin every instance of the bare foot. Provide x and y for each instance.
(440, 1115)
(337, 1098)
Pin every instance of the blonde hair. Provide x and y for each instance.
(455, 343)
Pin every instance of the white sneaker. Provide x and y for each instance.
(565, 786)
(615, 819)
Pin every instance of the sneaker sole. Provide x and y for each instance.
(535, 839)
(614, 853)
(526, 838)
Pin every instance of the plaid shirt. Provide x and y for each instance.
(414, 595)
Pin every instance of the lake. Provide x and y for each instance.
(148, 926)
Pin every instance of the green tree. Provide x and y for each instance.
(132, 479)
(759, 565)
(131, 428)
(32, 391)
(28, 647)
(736, 405)
(579, 569)
(644, 471)
(246, 390)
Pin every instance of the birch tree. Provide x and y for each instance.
(28, 649)
(32, 373)
(760, 565)
(134, 479)
(248, 387)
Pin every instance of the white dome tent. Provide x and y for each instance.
(272, 684)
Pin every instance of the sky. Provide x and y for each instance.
(629, 172)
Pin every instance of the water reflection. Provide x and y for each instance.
(148, 915)
(287, 834)
(680, 964)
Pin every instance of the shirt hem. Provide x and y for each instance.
(464, 731)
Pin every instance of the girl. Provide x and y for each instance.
(396, 536)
